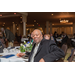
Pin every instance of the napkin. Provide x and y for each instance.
(8, 56)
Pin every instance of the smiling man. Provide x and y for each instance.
(44, 50)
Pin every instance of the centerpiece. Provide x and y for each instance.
(26, 47)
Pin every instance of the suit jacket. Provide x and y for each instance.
(64, 40)
(48, 51)
(9, 35)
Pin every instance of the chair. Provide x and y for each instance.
(69, 42)
(72, 56)
(64, 48)
(16, 43)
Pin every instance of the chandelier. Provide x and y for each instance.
(64, 21)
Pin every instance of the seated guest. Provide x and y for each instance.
(64, 39)
(74, 35)
(47, 36)
(43, 50)
(61, 35)
(2, 40)
(55, 35)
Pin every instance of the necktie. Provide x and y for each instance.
(34, 53)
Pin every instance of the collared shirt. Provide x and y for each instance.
(34, 52)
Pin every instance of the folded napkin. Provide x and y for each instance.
(8, 56)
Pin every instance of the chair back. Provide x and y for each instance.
(72, 57)
(64, 48)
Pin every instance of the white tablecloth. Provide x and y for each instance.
(58, 39)
(23, 39)
(13, 58)
(73, 40)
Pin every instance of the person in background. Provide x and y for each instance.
(8, 36)
(55, 35)
(74, 36)
(64, 39)
(2, 40)
(47, 36)
(51, 37)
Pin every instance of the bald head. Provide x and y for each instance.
(37, 31)
(37, 35)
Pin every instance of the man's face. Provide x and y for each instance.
(37, 36)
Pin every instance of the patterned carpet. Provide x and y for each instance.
(68, 54)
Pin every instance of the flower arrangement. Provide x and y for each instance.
(26, 46)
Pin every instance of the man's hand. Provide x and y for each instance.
(42, 60)
(20, 54)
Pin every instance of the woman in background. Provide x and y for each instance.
(47, 36)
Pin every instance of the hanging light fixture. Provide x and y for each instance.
(64, 21)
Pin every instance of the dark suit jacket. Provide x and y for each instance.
(9, 35)
(64, 40)
(48, 51)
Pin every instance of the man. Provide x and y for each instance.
(43, 50)
(64, 39)
(8, 36)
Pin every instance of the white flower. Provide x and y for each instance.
(27, 45)
(24, 42)
(21, 44)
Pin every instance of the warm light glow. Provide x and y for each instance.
(34, 20)
(14, 13)
(3, 25)
(37, 23)
(0, 15)
(33, 25)
(52, 24)
(12, 22)
(64, 21)
(20, 17)
(52, 14)
(17, 28)
(26, 29)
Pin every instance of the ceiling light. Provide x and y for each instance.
(34, 20)
(14, 13)
(20, 17)
(37, 23)
(12, 22)
(64, 21)
(0, 15)
(52, 24)
(52, 14)
(3, 23)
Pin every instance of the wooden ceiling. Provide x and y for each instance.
(40, 17)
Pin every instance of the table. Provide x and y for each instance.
(23, 39)
(58, 40)
(13, 58)
(73, 40)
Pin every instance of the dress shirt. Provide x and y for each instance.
(34, 52)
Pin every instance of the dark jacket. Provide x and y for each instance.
(9, 35)
(48, 51)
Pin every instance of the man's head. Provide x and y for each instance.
(37, 36)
